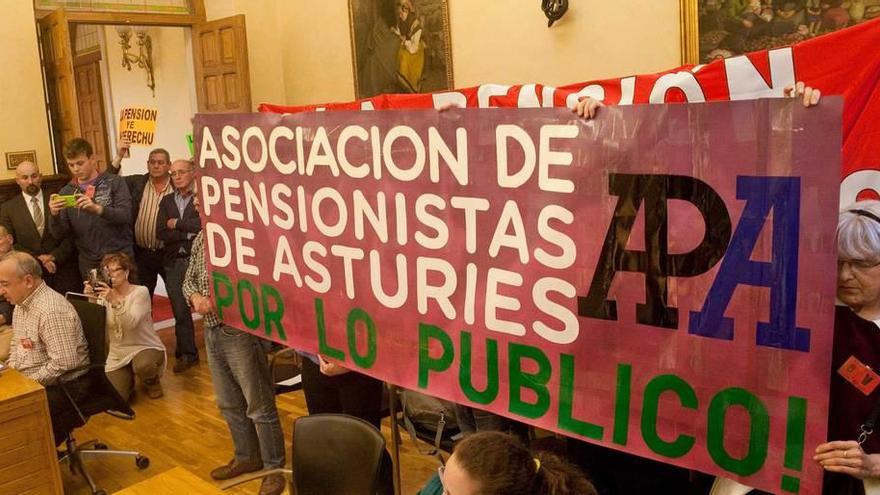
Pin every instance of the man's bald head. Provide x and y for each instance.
(20, 275)
(28, 177)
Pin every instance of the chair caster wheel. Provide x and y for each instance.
(100, 446)
(142, 462)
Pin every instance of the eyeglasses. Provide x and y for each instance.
(440, 471)
(108, 269)
(857, 265)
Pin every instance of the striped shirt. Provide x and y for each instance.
(48, 344)
(196, 279)
(145, 225)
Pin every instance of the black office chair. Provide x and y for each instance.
(286, 369)
(334, 453)
(101, 397)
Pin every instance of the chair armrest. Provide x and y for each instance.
(254, 476)
(72, 402)
(275, 357)
(282, 353)
(81, 295)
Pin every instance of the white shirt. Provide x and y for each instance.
(30, 206)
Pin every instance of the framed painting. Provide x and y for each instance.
(714, 29)
(400, 46)
(13, 158)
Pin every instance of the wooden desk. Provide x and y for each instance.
(28, 461)
(176, 480)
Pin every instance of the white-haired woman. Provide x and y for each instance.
(852, 468)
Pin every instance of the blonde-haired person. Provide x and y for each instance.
(495, 463)
(134, 347)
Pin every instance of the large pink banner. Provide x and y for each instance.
(659, 280)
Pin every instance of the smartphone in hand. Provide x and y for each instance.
(69, 199)
(96, 277)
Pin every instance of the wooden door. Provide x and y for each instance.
(221, 66)
(90, 103)
(60, 82)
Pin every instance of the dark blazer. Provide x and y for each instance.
(16, 217)
(184, 232)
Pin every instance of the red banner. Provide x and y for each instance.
(845, 62)
(646, 280)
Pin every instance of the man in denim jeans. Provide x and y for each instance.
(244, 389)
(177, 224)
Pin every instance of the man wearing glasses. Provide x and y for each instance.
(177, 224)
(147, 191)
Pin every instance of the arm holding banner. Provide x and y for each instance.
(115, 165)
(331, 369)
(809, 95)
(195, 282)
(203, 305)
(587, 107)
(847, 457)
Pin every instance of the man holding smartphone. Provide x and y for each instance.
(99, 216)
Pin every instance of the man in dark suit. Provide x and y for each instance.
(177, 224)
(25, 218)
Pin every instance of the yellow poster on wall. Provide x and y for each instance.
(137, 125)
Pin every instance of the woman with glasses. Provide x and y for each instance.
(134, 348)
(852, 467)
(495, 463)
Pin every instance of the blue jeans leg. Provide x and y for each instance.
(183, 323)
(245, 394)
(471, 420)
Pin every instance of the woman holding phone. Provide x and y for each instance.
(135, 349)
